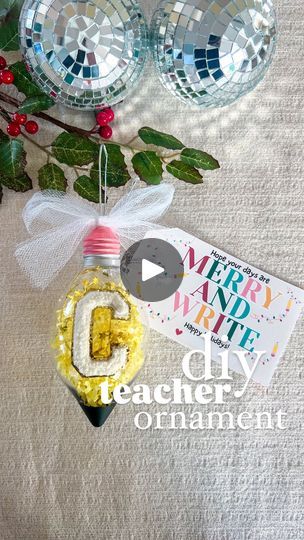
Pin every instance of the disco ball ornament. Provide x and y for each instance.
(210, 53)
(84, 54)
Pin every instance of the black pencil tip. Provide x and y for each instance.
(96, 415)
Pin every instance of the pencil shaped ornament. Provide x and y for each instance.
(99, 334)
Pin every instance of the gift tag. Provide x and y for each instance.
(243, 308)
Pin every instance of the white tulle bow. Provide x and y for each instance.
(57, 223)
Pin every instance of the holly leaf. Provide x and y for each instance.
(157, 138)
(73, 149)
(12, 158)
(8, 5)
(14, 7)
(9, 10)
(148, 167)
(23, 80)
(50, 176)
(3, 136)
(36, 104)
(184, 172)
(199, 159)
(12, 163)
(20, 183)
(117, 172)
(88, 189)
(9, 36)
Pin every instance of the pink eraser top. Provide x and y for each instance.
(101, 241)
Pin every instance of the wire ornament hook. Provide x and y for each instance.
(103, 205)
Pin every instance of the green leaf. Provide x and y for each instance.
(117, 173)
(50, 176)
(148, 167)
(9, 36)
(3, 136)
(157, 138)
(12, 163)
(199, 159)
(14, 7)
(9, 10)
(73, 149)
(185, 172)
(12, 158)
(21, 182)
(5, 7)
(87, 188)
(8, 5)
(36, 104)
(23, 80)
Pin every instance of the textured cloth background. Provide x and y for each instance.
(61, 478)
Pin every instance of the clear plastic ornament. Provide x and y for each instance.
(99, 338)
(84, 54)
(100, 331)
(210, 53)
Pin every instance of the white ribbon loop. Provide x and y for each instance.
(58, 222)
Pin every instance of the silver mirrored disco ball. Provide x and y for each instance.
(85, 54)
(209, 53)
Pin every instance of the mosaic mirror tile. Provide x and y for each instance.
(209, 53)
(85, 54)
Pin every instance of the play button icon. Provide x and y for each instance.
(152, 270)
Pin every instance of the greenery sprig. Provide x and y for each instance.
(78, 148)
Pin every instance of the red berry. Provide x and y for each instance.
(2, 62)
(6, 76)
(110, 115)
(13, 129)
(20, 118)
(31, 127)
(102, 118)
(106, 132)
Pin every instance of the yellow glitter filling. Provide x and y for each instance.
(106, 332)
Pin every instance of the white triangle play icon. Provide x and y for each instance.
(149, 270)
